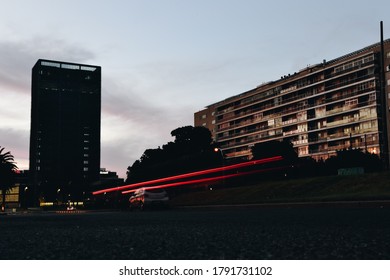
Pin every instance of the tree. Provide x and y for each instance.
(354, 158)
(274, 148)
(189, 139)
(7, 174)
(191, 150)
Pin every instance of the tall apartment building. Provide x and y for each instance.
(321, 109)
(65, 129)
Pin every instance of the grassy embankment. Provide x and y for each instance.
(374, 186)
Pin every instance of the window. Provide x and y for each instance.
(303, 150)
(70, 66)
(224, 125)
(85, 169)
(51, 64)
(351, 102)
(87, 68)
(85, 161)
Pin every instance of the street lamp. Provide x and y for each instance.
(218, 150)
(24, 197)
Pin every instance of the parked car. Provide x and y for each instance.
(143, 198)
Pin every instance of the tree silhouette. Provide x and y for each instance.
(189, 139)
(7, 174)
(354, 158)
(191, 150)
(274, 148)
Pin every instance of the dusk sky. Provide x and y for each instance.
(164, 60)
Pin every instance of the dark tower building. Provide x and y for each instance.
(65, 130)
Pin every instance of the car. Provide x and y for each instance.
(148, 198)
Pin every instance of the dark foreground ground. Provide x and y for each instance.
(239, 233)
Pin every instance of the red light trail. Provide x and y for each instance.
(191, 174)
(207, 180)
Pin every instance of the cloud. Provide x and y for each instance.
(142, 105)
(16, 142)
(18, 57)
(137, 113)
(132, 123)
(16, 61)
(150, 107)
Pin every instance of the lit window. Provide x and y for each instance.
(70, 66)
(85, 169)
(87, 68)
(85, 161)
(51, 64)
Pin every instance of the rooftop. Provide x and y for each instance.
(66, 65)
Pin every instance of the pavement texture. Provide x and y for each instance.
(280, 233)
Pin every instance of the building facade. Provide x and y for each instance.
(334, 105)
(65, 130)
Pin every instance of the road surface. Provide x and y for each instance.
(238, 233)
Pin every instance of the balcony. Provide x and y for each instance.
(349, 82)
(342, 122)
(356, 65)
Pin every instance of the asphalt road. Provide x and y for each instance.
(240, 233)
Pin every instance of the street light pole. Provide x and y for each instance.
(218, 150)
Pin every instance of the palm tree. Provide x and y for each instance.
(7, 174)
